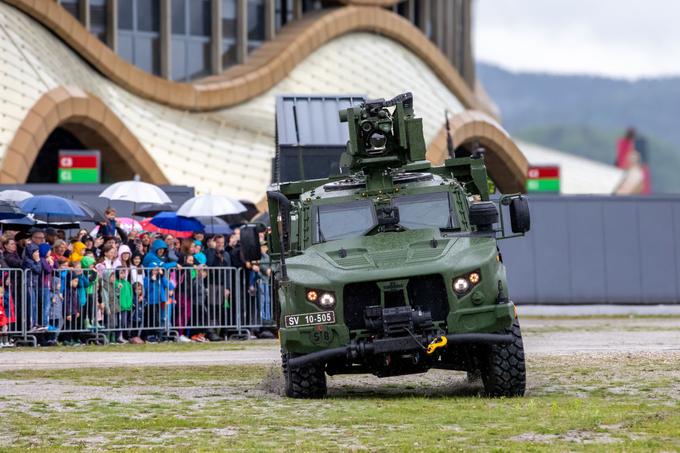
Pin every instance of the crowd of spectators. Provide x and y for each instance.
(130, 287)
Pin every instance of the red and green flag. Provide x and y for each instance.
(79, 167)
(544, 179)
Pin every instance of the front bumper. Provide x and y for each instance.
(363, 349)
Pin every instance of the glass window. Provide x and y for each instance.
(125, 16)
(198, 59)
(283, 13)
(179, 15)
(229, 19)
(199, 17)
(98, 18)
(72, 6)
(148, 15)
(426, 211)
(344, 220)
(179, 59)
(228, 33)
(138, 36)
(255, 20)
(311, 5)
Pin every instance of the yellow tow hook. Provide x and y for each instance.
(437, 343)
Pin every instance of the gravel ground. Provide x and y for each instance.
(549, 336)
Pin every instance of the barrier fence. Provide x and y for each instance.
(102, 305)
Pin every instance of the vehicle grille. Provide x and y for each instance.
(358, 296)
(428, 292)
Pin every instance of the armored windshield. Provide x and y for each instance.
(428, 210)
(344, 220)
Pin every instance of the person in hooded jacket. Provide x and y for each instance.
(45, 284)
(157, 256)
(124, 257)
(33, 273)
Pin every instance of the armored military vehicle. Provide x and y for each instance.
(391, 266)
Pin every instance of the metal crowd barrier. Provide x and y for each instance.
(102, 305)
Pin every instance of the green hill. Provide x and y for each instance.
(585, 115)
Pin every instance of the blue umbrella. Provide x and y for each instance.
(172, 221)
(46, 206)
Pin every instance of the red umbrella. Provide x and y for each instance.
(151, 228)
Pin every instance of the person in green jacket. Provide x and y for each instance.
(123, 303)
(89, 293)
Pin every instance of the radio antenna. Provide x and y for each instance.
(449, 139)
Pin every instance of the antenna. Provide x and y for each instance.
(449, 139)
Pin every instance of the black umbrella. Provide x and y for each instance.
(94, 214)
(26, 223)
(242, 217)
(9, 210)
(151, 209)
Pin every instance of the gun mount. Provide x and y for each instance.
(384, 136)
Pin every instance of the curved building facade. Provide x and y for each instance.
(183, 91)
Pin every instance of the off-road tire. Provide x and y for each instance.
(307, 381)
(502, 366)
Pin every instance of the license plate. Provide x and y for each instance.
(310, 319)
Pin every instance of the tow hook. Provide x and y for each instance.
(437, 343)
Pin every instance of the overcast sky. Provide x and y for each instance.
(620, 38)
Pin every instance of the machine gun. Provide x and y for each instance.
(384, 135)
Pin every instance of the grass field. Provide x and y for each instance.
(621, 402)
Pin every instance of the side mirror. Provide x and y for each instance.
(483, 214)
(250, 244)
(520, 219)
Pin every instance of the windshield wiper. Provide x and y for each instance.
(318, 226)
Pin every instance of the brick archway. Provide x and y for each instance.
(505, 163)
(87, 118)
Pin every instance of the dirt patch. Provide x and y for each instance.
(574, 436)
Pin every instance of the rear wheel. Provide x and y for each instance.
(502, 366)
(308, 381)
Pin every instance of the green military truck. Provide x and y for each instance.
(391, 266)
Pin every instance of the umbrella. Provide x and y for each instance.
(151, 209)
(15, 195)
(151, 228)
(94, 214)
(126, 224)
(210, 206)
(50, 206)
(172, 221)
(8, 210)
(136, 192)
(242, 217)
(26, 223)
(215, 225)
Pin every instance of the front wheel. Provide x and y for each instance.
(502, 366)
(308, 381)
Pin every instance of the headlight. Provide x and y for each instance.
(461, 285)
(464, 283)
(327, 300)
(324, 299)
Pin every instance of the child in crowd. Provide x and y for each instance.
(137, 311)
(55, 313)
(105, 269)
(123, 296)
(87, 294)
(136, 271)
(45, 282)
(71, 308)
(199, 312)
(4, 322)
(184, 295)
(33, 273)
(124, 256)
(156, 291)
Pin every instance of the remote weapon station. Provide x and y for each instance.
(391, 267)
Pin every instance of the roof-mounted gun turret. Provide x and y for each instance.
(384, 135)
